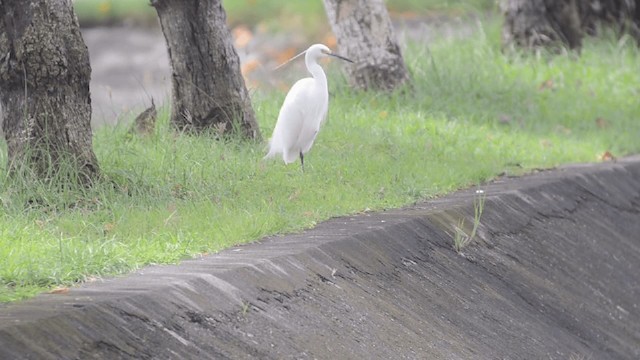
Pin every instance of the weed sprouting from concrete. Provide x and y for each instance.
(460, 237)
(576, 356)
(245, 308)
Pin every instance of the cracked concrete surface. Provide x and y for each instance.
(553, 274)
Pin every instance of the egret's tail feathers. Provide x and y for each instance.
(270, 155)
(271, 150)
(274, 149)
(290, 156)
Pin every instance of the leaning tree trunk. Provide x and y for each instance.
(208, 89)
(365, 35)
(541, 23)
(44, 88)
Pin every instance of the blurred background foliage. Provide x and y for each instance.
(272, 15)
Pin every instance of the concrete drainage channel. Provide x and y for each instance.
(553, 273)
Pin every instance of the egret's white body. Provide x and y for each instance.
(303, 111)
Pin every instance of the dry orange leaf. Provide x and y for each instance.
(59, 290)
(607, 156)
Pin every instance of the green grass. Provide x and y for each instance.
(101, 12)
(471, 114)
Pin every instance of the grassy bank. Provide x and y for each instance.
(473, 113)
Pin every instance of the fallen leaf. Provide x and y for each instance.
(607, 156)
(108, 227)
(59, 290)
(602, 123)
(548, 84)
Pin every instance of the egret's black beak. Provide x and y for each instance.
(340, 57)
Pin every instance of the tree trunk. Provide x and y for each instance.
(44, 88)
(208, 88)
(537, 23)
(365, 35)
(541, 23)
(622, 15)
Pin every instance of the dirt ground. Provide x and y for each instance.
(129, 66)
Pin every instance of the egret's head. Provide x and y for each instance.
(317, 51)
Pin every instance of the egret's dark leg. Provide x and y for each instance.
(302, 161)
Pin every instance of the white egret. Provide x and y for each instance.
(303, 111)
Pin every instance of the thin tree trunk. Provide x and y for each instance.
(365, 34)
(541, 23)
(208, 88)
(44, 88)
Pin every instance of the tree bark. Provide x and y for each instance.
(365, 35)
(541, 23)
(208, 89)
(44, 88)
(622, 15)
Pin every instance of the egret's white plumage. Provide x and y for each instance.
(303, 111)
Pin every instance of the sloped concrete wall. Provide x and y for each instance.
(554, 273)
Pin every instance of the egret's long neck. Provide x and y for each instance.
(316, 71)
